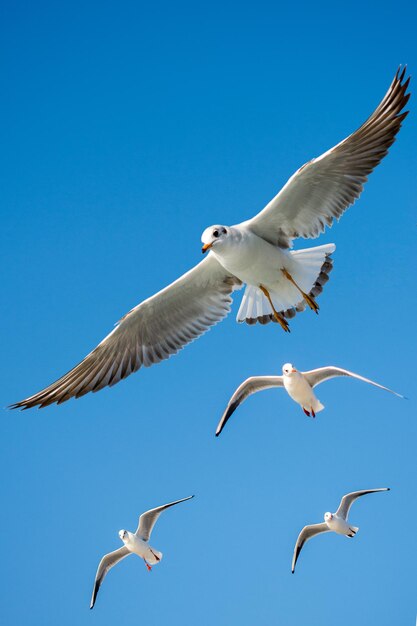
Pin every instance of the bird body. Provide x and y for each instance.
(140, 547)
(246, 255)
(249, 257)
(256, 262)
(340, 526)
(300, 390)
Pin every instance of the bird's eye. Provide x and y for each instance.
(215, 233)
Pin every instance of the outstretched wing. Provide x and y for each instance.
(247, 388)
(307, 533)
(319, 375)
(325, 187)
(347, 500)
(148, 520)
(149, 333)
(106, 563)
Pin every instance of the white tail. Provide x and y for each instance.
(318, 406)
(155, 558)
(309, 268)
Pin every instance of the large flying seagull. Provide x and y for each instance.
(279, 282)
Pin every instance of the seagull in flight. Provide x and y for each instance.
(336, 522)
(134, 543)
(279, 282)
(298, 385)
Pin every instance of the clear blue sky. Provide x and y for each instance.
(127, 128)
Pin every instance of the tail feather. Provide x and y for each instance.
(352, 531)
(155, 558)
(318, 407)
(310, 269)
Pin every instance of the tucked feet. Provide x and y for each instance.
(147, 565)
(280, 318)
(310, 301)
(306, 412)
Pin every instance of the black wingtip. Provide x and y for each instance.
(400, 73)
(231, 409)
(21, 406)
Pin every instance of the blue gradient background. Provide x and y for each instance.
(126, 130)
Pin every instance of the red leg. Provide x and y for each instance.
(306, 412)
(312, 412)
(148, 566)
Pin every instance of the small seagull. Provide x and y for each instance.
(279, 282)
(335, 522)
(298, 385)
(134, 543)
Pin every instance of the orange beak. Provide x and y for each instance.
(293, 370)
(206, 247)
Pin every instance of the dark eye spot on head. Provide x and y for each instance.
(215, 233)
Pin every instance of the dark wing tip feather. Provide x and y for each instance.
(22, 406)
(297, 554)
(95, 591)
(229, 412)
(400, 76)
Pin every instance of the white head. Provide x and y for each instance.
(328, 516)
(124, 535)
(288, 369)
(213, 236)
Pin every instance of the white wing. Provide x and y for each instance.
(106, 563)
(321, 374)
(307, 533)
(325, 187)
(247, 388)
(149, 333)
(347, 500)
(148, 520)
